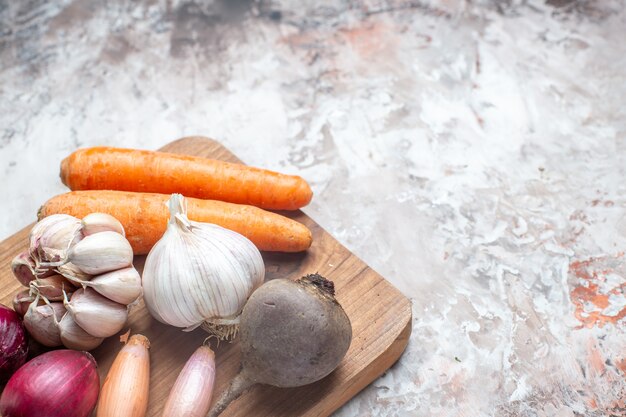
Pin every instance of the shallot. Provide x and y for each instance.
(125, 389)
(191, 394)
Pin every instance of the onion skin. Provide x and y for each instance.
(191, 394)
(61, 383)
(13, 343)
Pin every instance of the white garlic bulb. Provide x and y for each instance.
(200, 274)
(81, 280)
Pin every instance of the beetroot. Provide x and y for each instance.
(292, 333)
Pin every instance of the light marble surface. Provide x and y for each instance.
(471, 152)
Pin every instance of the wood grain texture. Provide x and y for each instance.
(379, 313)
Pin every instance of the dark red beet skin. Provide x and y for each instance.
(61, 383)
(13, 343)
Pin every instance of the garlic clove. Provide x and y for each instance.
(73, 274)
(23, 268)
(122, 286)
(101, 222)
(102, 252)
(42, 322)
(74, 337)
(52, 288)
(22, 301)
(51, 237)
(96, 314)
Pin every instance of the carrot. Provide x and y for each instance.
(104, 168)
(145, 216)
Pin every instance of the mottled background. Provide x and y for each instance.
(473, 152)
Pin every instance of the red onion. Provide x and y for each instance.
(13, 342)
(61, 383)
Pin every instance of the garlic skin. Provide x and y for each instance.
(74, 337)
(96, 314)
(101, 222)
(200, 274)
(73, 273)
(101, 252)
(52, 287)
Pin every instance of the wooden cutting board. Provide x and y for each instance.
(379, 313)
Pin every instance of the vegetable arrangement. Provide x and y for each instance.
(144, 217)
(203, 269)
(80, 279)
(104, 168)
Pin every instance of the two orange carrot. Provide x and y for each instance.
(144, 179)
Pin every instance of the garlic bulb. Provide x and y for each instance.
(200, 274)
(80, 280)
